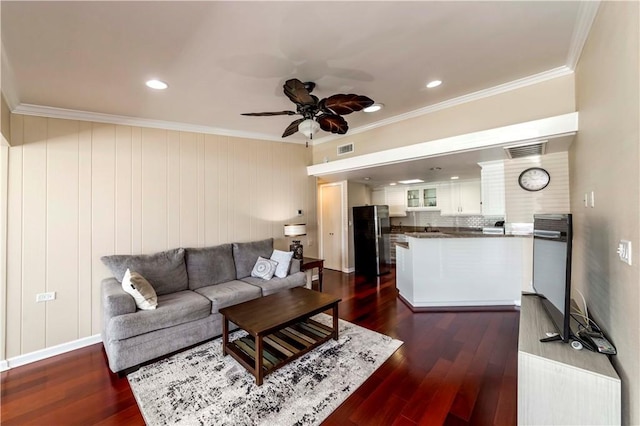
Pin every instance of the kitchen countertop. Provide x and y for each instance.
(463, 234)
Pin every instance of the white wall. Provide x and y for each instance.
(520, 204)
(80, 190)
(544, 99)
(605, 158)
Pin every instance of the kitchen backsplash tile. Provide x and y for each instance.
(433, 218)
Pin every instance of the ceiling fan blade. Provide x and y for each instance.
(298, 93)
(261, 114)
(346, 104)
(333, 123)
(293, 127)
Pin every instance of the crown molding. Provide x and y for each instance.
(587, 11)
(71, 114)
(481, 94)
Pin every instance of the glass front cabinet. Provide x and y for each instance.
(429, 198)
(413, 198)
(422, 198)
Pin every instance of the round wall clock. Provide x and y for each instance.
(534, 179)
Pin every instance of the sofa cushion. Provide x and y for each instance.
(264, 268)
(165, 271)
(295, 266)
(284, 262)
(274, 285)
(229, 293)
(173, 309)
(209, 265)
(142, 292)
(245, 255)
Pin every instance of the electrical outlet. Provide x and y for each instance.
(45, 297)
(624, 251)
(586, 200)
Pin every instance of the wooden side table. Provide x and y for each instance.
(308, 263)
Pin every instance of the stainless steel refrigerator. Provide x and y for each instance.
(371, 228)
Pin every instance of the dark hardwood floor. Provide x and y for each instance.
(454, 368)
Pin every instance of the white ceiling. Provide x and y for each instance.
(225, 58)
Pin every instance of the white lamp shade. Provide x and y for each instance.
(308, 127)
(295, 230)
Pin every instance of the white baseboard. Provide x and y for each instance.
(48, 352)
(348, 270)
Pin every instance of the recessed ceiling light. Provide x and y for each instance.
(455, 177)
(374, 108)
(392, 184)
(367, 178)
(434, 83)
(157, 84)
(411, 181)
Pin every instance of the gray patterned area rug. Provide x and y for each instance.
(201, 387)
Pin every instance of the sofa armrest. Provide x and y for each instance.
(295, 266)
(115, 301)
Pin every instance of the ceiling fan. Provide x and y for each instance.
(325, 114)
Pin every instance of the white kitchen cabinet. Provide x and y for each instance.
(392, 197)
(460, 198)
(396, 201)
(492, 183)
(423, 197)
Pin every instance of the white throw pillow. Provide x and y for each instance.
(264, 268)
(284, 262)
(142, 292)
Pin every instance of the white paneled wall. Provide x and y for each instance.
(521, 205)
(79, 190)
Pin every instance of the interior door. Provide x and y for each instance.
(331, 226)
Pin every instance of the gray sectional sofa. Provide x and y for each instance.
(192, 285)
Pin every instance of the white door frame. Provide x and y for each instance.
(344, 259)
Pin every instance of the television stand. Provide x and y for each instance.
(558, 385)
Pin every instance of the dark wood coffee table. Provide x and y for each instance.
(280, 329)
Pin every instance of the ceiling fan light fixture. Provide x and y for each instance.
(308, 127)
(374, 108)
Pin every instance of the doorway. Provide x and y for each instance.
(332, 225)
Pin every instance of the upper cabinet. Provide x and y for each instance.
(392, 197)
(423, 197)
(396, 201)
(460, 198)
(493, 194)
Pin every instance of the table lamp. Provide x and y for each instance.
(295, 230)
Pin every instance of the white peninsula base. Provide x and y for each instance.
(474, 271)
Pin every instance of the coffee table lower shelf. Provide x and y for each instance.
(280, 347)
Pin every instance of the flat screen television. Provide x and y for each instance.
(552, 236)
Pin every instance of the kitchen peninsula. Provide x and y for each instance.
(435, 269)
